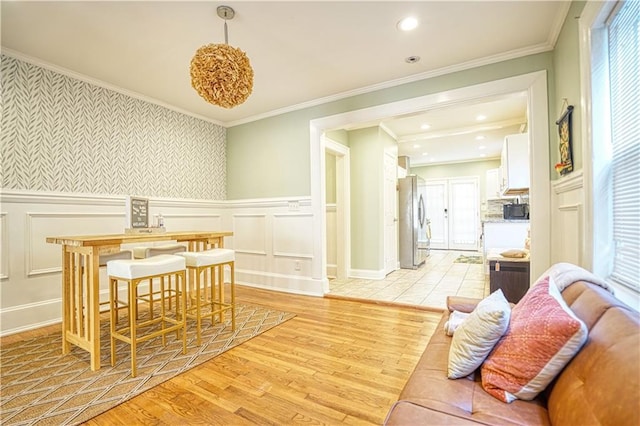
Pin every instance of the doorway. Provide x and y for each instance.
(534, 84)
(454, 210)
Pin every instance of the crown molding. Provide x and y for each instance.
(558, 24)
(488, 60)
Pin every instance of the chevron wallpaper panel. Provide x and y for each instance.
(65, 135)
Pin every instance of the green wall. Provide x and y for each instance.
(566, 69)
(271, 157)
(367, 150)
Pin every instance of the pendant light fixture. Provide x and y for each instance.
(222, 74)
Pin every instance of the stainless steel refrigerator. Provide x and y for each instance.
(412, 224)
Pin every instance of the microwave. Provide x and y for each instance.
(515, 211)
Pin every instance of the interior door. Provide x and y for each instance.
(463, 214)
(390, 213)
(453, 208)
(437, 211)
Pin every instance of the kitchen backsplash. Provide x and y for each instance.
(494, 207)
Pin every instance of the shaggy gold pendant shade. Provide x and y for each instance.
(222, 74)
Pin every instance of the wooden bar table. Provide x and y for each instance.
(81, 285)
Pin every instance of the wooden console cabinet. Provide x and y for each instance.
(512, 277)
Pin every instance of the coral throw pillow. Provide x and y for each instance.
(543, 336)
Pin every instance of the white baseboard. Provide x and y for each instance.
(367, 274)
(279, 282)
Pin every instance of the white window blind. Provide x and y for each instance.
(624, 75)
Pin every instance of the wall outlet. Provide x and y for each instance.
(294, 206)
(297, 265)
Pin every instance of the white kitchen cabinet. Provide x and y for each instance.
(515, 164)
(492, 185)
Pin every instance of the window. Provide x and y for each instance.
(611, 42)
(624, 77)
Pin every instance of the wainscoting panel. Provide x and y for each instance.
(271, 239)
(570, 224)
(290, 235)
(567, 219)
(249, 233)
(192, 222)
(6, 247)
(44, 258)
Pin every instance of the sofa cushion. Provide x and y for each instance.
(601, 384)
(476, 336)
(543, 336)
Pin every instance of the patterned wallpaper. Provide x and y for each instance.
(65, 135)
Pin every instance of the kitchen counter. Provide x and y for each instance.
(494, 254)
(501, 220)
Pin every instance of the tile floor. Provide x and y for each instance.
(429, 285)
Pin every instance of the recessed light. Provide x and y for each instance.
(412, 59)
(425, 126)
(416, 146)
(407, 24)
(481, 147)
(483, 155)
(479, 138)
(481, 117)
(424, 154)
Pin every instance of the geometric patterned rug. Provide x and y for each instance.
(39, 385)
(475, 260)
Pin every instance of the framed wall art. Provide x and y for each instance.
(565, 165)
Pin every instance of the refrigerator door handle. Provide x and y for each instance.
(421, 212)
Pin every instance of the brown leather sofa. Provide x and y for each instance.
(599, 386)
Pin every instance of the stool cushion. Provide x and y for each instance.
(104, 258)
(209, 257)
(144, 252)
(137, 268)
(124, 254)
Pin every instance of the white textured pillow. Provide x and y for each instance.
(478, 334)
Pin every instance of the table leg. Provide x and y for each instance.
(93, 287)
(66, 298)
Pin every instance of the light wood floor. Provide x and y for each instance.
(336, 362)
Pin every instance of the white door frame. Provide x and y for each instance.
(343, 206)
(390, 200)
(534, 84)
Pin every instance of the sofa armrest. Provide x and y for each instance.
(461, 304)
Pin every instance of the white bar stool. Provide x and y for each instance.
(146, 252)
(213, 260)
(134, 272)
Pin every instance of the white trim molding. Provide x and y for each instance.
(569, 183)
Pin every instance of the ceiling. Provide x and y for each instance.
(303, 53)
(469, 132)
